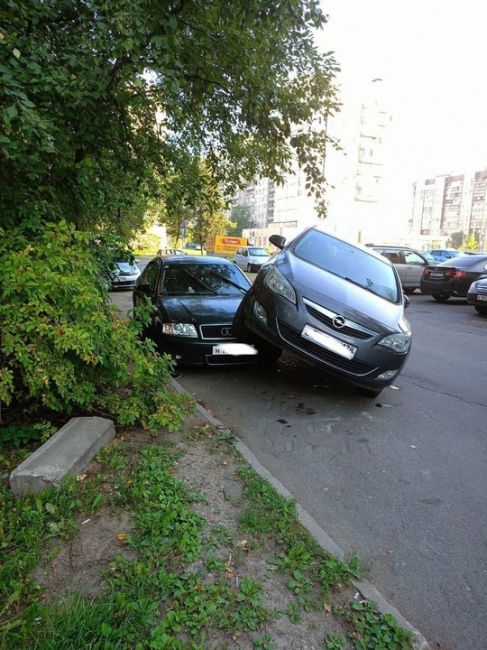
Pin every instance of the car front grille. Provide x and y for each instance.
(221, 331)
(349, 330)
(294, 337)
(482, 290)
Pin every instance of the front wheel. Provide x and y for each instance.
(408, 290)
(249, 268)
(441, 297)
(481, 310)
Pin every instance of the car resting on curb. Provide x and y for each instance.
(194, 303)
(477, 296)
(453, 277)
(336, 305)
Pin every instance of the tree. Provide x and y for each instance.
(106, 110)
(470, 243)
(240, 218)
(456, 239)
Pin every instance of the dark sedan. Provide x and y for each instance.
(477, 296)
(335, 305)
(453, 277)
(195, 301)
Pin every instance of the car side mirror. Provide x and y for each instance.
(407, 301)
(278, 240)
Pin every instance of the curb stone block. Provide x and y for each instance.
(68, 451)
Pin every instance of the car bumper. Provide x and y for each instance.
(284, 329)
(449, 287)
(479, 299)
(194, 352)
(124, 283)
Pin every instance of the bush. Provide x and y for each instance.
(63, 346)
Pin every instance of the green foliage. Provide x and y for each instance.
(63, 347)
(373, 630)
(240, 218)
(470, 243)
(100, 102)
(456, 239)
(333, 572)
(335, 642)
(18, 435)
(146, 242)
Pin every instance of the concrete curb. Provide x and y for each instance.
(367, 590)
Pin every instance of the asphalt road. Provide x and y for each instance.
(399, 480)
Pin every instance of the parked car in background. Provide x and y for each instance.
(125, 274)
(168, 252)
(409, 263)
(334, 304)
(195, 301)
(453, 277)
(443, 254)
(251, 258)
(477, 295)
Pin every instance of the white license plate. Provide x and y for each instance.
(482, 298)
(234, 349)
(436, 275)
(329, 342)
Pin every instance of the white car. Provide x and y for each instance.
(251, 258)
(125, 275)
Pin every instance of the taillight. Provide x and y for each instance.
(426, 272)
(450, 274)
(460, 274)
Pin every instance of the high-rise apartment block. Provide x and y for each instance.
(450, 204)
(354, 173)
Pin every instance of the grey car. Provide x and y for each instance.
(409, 263)
(334, 304)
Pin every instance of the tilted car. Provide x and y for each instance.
(195, 300)
(477, 296)
(453, 277)
(336, 305)
(125, 274)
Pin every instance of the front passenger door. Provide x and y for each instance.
(414, 268)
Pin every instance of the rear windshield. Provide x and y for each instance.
(204, 280)
(258, 252)
(348, 262)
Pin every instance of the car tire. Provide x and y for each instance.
(249, 268)
(441, 297)
(481, 310)
(370, 392)
(268, 353)
(409, 290)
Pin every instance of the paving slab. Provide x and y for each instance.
(68, 451)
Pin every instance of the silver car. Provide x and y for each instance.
(409, 263)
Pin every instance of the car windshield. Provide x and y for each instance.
(348, 262)
(258, 252)
(204, 280)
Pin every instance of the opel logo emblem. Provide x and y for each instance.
(338, 322)
(226, 331)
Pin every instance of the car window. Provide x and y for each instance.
(245, 252)
(396, 257)
(413, 258)
(258, 252)
(149, 276)
(204, 280)
(348, 262)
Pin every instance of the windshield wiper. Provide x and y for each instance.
(362, 286)
(222, 277)
(203, 284)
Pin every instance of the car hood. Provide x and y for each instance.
(341, 296)
(125, 268)
(200, 309)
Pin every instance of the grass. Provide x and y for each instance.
(164, 598)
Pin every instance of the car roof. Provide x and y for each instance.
(195, 259)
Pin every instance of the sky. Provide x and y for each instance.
(432, 56)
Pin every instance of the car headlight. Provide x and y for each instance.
(180, 329)
(399, 343)
(277, 283)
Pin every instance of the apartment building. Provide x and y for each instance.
(354, 173)
(449, 204)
